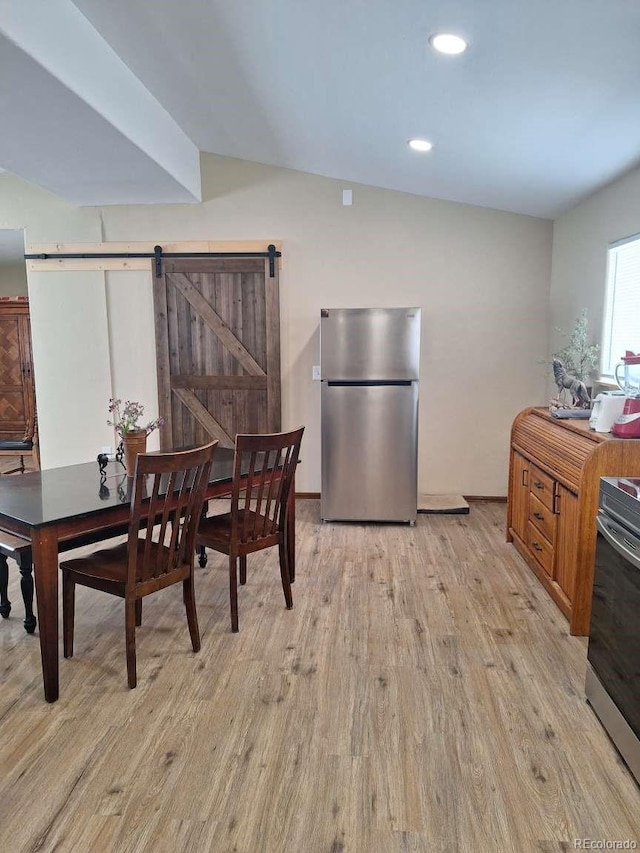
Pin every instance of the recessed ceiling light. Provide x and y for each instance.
(448, 43)
(420, 145)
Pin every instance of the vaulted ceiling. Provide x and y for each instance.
(112, 102)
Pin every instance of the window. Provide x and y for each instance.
(622, 308)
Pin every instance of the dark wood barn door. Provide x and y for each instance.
(218, 349)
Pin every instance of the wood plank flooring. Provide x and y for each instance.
(423, 695)
(7, 463)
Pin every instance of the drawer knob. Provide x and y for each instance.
(539, 485)
(537, 546)
(539, 516)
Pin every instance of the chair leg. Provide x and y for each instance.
(5, 604)
(243, 569)
(68, 613)
(26, 588)
(188, 594)
(130, 636)
(233, 593)
(284, 573)
(290, 533)
(138, 612)
(202, 551)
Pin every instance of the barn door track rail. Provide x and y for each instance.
(272, 253)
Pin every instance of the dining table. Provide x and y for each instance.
(61, 508)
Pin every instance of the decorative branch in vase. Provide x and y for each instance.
(133, 437)
(574, 365)
(579, 357)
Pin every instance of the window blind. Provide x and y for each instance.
(622, 309)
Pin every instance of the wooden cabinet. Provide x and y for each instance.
(519, 494)
(17, 398)
(554, 480)
(568, 520)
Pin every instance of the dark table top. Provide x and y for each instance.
(56, 494)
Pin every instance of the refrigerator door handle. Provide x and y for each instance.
(366, 383)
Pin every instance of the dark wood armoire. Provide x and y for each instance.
(17, 394)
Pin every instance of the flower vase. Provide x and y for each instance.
(134, 442)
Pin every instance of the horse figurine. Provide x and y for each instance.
(579, 395)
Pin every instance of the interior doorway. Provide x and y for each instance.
(18, 421)
(13, 269)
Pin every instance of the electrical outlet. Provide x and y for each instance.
(315, 372)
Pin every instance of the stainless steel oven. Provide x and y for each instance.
(613, 668)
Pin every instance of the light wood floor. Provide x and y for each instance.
(10, 463)
(422, 695)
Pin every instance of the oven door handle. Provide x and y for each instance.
(618, 537)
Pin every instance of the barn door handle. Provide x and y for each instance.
(271, 249)
(157, 253)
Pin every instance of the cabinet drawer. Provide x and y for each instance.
(542, 518)
(542, 486)
(540, 548)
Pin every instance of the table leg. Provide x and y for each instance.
(44, 545)
(291, 531)
(26, 587)
(5, 604)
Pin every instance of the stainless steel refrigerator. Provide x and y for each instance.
(369, 366)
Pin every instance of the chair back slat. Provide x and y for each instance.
(248, 531)
(171, 518)
(168, 495)
(155, 506)
(258, 507)
(286, 465)
(255, 532)
(182, 511)
(269, 506)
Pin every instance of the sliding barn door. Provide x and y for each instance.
(218, 349)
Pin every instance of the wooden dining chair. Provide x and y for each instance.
(258, 513)
(168, 496)
(27, 446)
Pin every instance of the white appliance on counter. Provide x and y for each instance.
(607, 408)
(370, 368)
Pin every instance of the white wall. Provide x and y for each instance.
(68, 327)
(481, 277)
(579, 260)
(132, 343)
